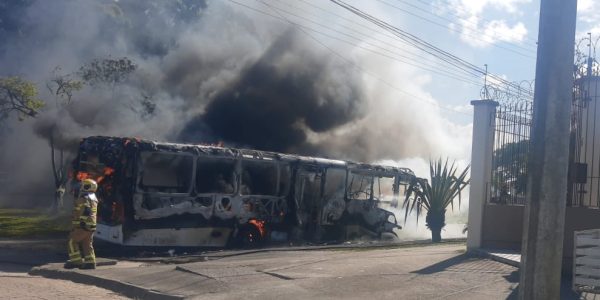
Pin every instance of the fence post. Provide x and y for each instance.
(484, 115)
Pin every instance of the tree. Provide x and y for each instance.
(20, 96)
(107, 71)
(99, 72)
(509, 176)
(111, 72)
(62, 88)
(435, 198)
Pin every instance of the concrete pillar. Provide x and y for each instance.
(544, 220)
(484, 116)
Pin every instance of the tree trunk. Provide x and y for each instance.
(59, 176)
(436, 235)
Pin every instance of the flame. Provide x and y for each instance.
(82, 176)
(107, 171)
(260, 225)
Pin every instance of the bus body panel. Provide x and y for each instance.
(164, 194)
(183, 237)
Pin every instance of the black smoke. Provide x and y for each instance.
(288, 91)
(210, 70)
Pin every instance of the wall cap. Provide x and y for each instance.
(484, 102)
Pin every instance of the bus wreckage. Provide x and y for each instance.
(165, 194)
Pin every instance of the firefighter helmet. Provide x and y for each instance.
(89, 185)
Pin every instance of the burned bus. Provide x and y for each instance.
(166, 194)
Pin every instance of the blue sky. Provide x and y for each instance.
(480, 31)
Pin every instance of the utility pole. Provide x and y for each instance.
(543, 230)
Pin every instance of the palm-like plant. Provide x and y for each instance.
(435, 197)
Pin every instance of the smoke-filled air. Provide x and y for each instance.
(204, 72)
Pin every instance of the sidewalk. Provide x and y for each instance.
(416, 272)
(508, 257)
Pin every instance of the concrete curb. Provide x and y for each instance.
(212, 255)
(126, 289)
(484, 253)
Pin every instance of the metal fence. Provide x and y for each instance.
(509, 161)
(584, 167)
(512, 133)
(513, 123)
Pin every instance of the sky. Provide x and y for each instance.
(501, 34)
(372, 97)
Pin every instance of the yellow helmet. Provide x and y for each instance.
(89, 185)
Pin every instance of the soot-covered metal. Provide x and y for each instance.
(165, 194)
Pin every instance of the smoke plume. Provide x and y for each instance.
(289, 89)
(206, 71)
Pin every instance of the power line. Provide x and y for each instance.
(351, 63)
(433, 50)
(450, 73)
(372, 37)
(396, 56)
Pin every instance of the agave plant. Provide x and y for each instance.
(434, 198)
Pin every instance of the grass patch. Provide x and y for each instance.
(22, 223)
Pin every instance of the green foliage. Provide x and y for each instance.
(63, 86)
(30, 223)
(19, 95)
(510, 168)
(435, 198)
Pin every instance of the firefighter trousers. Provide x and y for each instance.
(84, 239)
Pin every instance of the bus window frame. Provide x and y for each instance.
(352, 172)
(236, 177)
(276, 163)
(140, 169)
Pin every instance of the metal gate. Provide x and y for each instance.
(511, 145)
(584, 157)
(513, 123)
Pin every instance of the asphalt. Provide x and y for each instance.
(409, 271)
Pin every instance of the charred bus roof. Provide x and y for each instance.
(111, 147)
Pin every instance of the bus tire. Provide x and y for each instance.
(249, 237)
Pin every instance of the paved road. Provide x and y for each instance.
(441, 271)
(423, 272)
(15, 283)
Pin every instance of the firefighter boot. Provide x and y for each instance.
(75, 259)
(71, 265)
(88, 266)
(89, 261)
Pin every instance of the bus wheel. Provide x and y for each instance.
(249, 237)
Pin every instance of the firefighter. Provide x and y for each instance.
(83, 225)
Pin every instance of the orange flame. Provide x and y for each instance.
(106, 172)
(85, 175)
(82, 176)
(260, 225)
